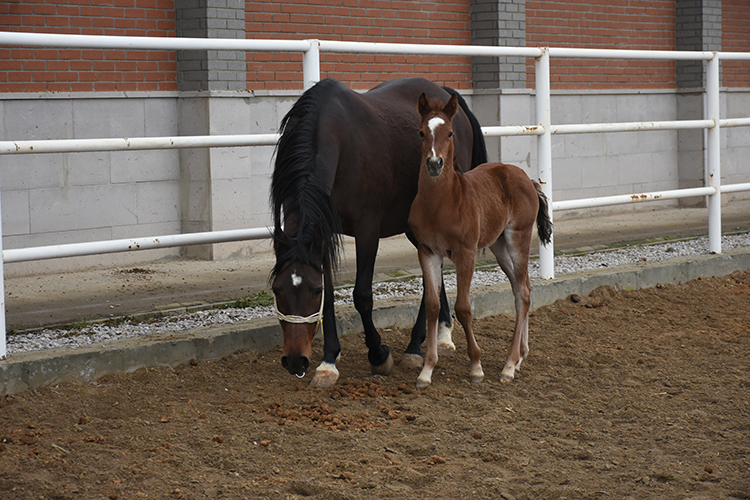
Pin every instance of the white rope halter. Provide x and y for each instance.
(316, 317)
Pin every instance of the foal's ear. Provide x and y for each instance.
(451, 107)
(424, 105)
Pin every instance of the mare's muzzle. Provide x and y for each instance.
(434, 165)
(296, 365)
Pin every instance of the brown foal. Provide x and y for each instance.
(454, 215)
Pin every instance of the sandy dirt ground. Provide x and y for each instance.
(625, 395)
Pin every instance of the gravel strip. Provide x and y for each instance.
(53, 338)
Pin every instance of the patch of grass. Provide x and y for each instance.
(259, 299)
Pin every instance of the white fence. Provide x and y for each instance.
(311, 49)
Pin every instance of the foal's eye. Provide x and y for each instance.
(450, 134)
(421, 134)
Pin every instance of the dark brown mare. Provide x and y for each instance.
(455, 214)
(348, 163)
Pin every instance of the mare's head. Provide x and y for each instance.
(306, 228)
(298, 289)
(436, 131)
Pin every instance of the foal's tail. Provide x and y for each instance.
(543, 222)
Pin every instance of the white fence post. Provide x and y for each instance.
(713, 146)
(311, 65)
(544, 154)
(3, 343)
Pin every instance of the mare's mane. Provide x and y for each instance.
(478, 149)
(298, 191)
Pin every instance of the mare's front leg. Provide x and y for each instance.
(431, 265)
(379, 355)
(465, 262)
(327, 374)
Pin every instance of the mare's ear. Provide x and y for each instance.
(424, 105)
(451, 107)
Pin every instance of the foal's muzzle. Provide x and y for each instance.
(434, 165)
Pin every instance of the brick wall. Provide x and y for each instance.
(631, 24)
(438, 21)
(75, 70)
(735, 38)
(603, 24)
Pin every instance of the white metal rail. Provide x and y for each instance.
(311, 50)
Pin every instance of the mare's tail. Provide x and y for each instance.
(543, 222)
(478, 147)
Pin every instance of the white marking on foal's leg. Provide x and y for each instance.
(296, 280)
(446, 347)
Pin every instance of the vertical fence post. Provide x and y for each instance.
(311, 65)
(713, 147)
(544, 154)
(3, 340)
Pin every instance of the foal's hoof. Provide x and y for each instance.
(326, 375)
(423, 384)
(476, 375)
(411, 361)
(384, 369)
(508, 374)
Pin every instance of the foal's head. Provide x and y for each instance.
(437, 133)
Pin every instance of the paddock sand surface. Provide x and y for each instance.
(627, 395)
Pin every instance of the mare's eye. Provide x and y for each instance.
(318, 292)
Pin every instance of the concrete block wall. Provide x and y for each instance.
(62, 198)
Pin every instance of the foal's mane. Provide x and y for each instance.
(296, 189)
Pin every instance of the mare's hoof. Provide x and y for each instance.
(410, 361)
(446, 348)
(505, 378)
(384, 369)
(325, 376)
(475, 379)
(423, 384)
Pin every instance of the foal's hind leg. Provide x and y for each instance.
(512, 253)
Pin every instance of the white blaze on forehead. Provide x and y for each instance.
(296, 280)
(434, 123)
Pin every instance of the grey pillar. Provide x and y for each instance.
(211, 69)
(498, 23)
(698, 27)
(204, 71)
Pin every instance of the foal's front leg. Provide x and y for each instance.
(465, 262)
(431, 270)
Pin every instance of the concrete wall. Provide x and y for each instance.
(74, 197)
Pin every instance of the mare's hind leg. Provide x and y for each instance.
(512, 253)
(378, 354)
